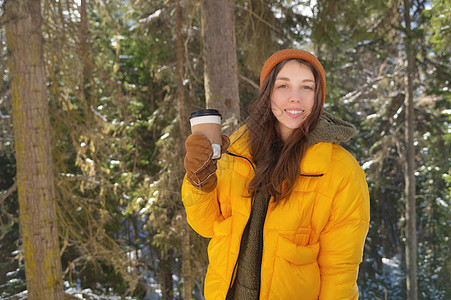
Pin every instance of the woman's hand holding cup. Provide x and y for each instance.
(204, 146)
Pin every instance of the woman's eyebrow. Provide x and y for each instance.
(288, 79)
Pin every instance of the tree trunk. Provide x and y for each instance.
(31, 123)
(186, 256)
(86, 67)
(409, 168)
(165, 266)
(220, 61)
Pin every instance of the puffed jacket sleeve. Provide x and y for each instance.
(343, 238)
(203, 209)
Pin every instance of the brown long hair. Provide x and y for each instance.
(278, 163)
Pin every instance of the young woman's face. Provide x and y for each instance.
(293, 97)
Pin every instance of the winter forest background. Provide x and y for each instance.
(122, 76)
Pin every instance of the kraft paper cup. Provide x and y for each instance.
(208, 123)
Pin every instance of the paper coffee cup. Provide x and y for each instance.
(208, 123)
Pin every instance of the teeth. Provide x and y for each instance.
(293, 111)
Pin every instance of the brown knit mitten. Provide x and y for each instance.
(199, 165)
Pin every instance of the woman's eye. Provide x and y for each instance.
(308, 88)
(282, 86)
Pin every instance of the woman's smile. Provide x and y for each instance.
(294, 113)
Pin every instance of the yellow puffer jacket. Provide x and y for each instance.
(313, 241)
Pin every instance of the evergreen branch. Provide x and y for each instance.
(250, 81)
(8, 192)
(259, 18)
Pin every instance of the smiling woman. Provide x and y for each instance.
(293, 96)
(286, 207)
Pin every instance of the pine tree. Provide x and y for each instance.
(38, 220)
(409, 161)
(220, 60)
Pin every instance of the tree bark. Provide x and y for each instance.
(409, 168)
(186, 256)
(84, 54)
(37, 207)
(220, 60)
(165, 265)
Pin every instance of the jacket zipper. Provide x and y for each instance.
(245, 227)
(314, 175)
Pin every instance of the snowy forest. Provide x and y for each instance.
(94, 105)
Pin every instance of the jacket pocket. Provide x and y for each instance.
(295, 269)
(297, 253)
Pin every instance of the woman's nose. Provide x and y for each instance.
(295, 96)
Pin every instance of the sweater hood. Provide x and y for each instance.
(330, 129)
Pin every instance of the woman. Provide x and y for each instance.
(286, 207)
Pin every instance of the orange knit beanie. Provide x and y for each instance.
(293, 53)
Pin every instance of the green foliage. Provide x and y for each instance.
(118, 151)
(439, 31)
(12, 273)
(15, 283)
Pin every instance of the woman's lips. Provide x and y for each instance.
(293, 112)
